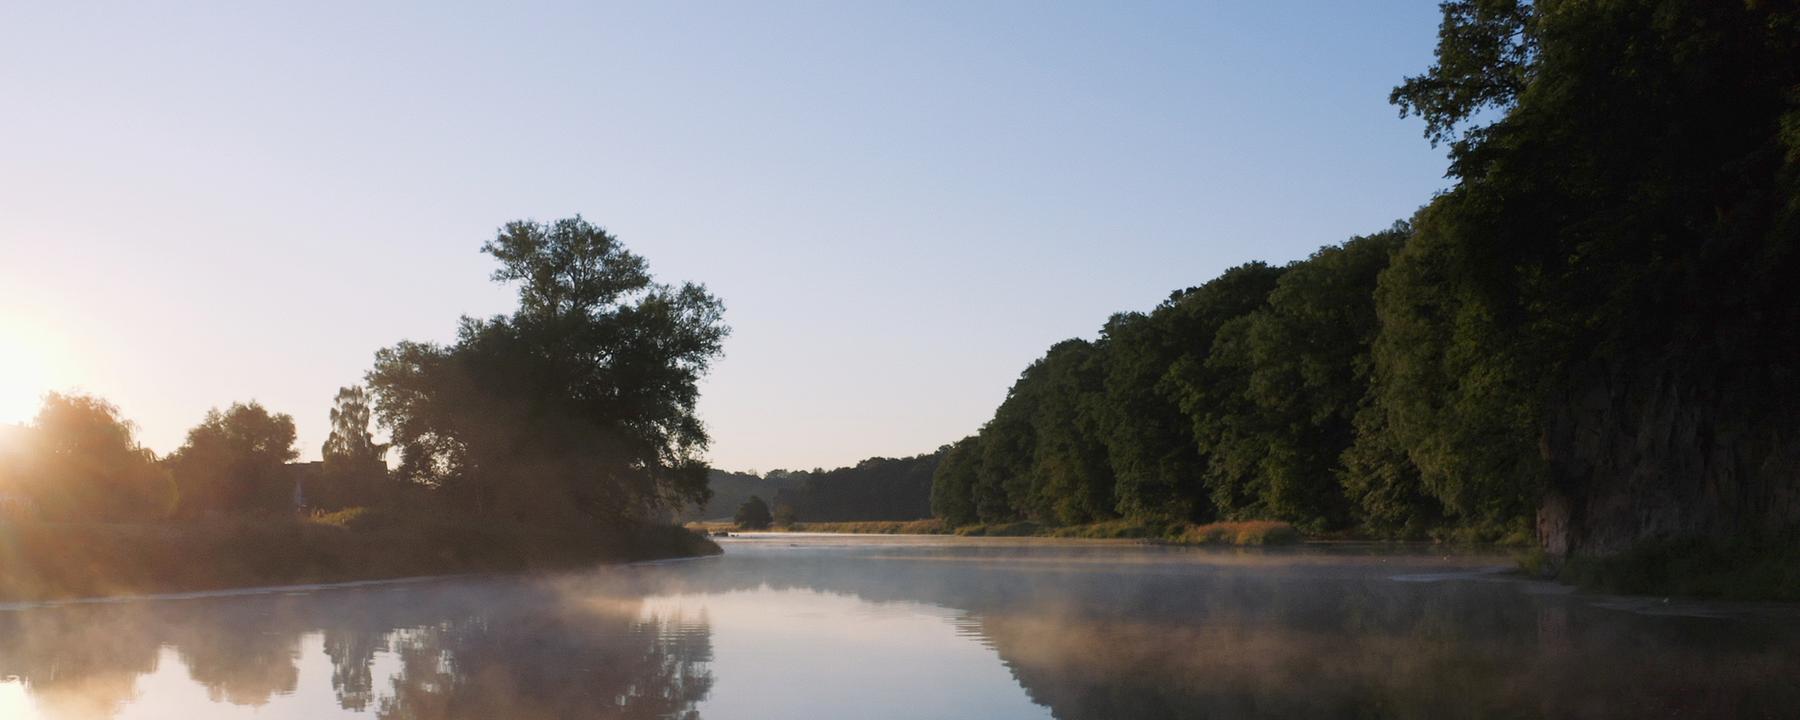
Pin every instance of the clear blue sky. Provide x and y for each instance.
(901, 203)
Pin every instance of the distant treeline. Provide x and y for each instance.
(878, 488)
(875, 489)
(1595, 328)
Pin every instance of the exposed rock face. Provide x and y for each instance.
(1653, 452)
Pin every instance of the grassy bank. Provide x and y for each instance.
(1254, 532)
(877, 527)
(40, 561)
(1724, 570)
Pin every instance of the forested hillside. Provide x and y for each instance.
(1590, 338)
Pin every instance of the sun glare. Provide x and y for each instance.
(14, 703)
(29, 367)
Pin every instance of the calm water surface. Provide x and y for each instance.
(870, 627)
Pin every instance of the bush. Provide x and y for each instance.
(1250, 532)
(1734, 570)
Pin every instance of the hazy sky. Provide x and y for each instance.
(901, 203)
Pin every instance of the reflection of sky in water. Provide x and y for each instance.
(880, 628)
(153, 696)
(807, 654)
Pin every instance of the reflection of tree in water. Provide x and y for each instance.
(538, 663)
(243, 653)
(352, 652)
(477, 649)
(1089, 633)
(1093, 633)
(77, 665)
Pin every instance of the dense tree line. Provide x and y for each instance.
(1592, 328)
(878, 488)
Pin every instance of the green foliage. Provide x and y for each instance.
(1632, 210)
(877, 527)
(581, 402)
(1484, 57)
(1250, 532)
(731, 489)
(233, 461)
(753, 515)
(877, 488)
(1021, 528)
(1598, 313)
(1274, 404)
(1738, 569)
(953, 484)
(1068, 478)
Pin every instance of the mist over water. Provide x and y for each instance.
(871, 627)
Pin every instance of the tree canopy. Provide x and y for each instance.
(232, 461)
(753, 514)
(79, 460)
(1591, 329)
(581, 402)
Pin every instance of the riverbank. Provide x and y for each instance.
(49, 561)
(1253, 532)
(1717, 570)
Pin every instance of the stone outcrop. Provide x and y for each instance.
(1657, 451)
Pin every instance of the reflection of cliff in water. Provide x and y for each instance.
(480, 649)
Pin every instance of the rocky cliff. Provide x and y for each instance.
(1663, 450)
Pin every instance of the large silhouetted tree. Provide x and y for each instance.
(579, 404)
(78, 460)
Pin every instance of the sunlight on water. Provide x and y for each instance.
(14, 703)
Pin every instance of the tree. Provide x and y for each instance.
(354, 471)
(1285, 383)
(233, 461)
(78, 460)
(578, 405)
(1600, 311)
(876, 488)
(1151, 360)
(753, 515)
(953, 483)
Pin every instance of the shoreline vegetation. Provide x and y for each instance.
(47, 561)
(1252, 532)
(1726, 570)
(561, 435)
(1588, 342)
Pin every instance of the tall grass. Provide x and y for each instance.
(930, 526)
(1249, 532)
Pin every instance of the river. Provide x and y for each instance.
(795, 626)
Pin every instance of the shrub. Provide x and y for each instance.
(1249, 532)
